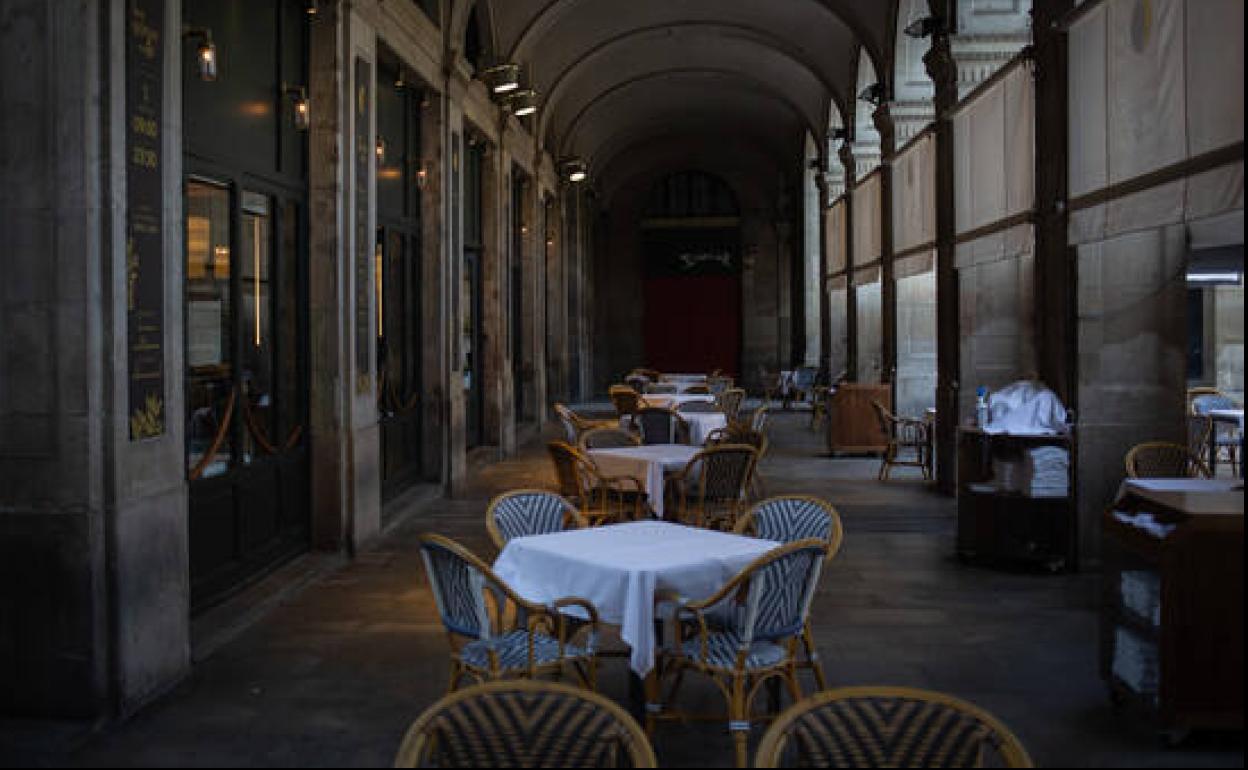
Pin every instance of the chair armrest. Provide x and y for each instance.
(682, 605)
(557, 607)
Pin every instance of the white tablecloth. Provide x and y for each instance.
(671, 400)
(1233, 416)
(648, 463)
(700, 424)
(687, 379)
(620, 567)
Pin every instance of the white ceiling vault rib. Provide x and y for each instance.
(726, 96)
(611, 72)
(766, 69)
(553, 81)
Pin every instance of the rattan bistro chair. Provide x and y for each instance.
(774, 594)
(605, 438)
(787, 519)
(524, 724)
(625, 400)
(522, 512)
(888, 727)
(730, 402)
(657, 425)
(574, 424)
(1225, 436)
(600, 499)
(494, 632)
(904, 435)
(1164, 460)
(742, 433)
(711, 490)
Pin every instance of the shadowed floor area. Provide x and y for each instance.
(334, 674)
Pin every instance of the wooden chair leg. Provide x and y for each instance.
(790, 679)
(739, 721)
(812, 655)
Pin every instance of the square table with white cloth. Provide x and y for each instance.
(673, 400)
(701, 424)
(648, 463)
(619, 568)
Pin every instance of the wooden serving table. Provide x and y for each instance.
(1172, 622)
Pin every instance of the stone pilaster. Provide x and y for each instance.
(882, 117)
(943, 72)
(846, 156)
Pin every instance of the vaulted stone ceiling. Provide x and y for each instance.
(614, 75)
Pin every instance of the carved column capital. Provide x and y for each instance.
(882, 117)
(846, 155)
(943, 71)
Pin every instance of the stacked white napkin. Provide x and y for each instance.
(1046, 470)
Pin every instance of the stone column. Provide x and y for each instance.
(882, 117)
(825, 309)
(436, 287)
(846, 154)
(1054, 268)
(944, 74)
(94, 570)
(327, 344)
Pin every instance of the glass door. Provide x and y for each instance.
(246, 384)
(397, 280)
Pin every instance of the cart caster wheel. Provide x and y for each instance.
(1174, 736)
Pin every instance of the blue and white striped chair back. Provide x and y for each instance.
(779, 595)
(1205, 403)
(529, 512)
(789, 519)
(459, 590)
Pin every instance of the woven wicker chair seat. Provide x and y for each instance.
(513, 651)
(525, 724)
(722, 648)
(887, 730)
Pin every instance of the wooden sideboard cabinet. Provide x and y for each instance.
(1172, 619)
(852, 422)
(1004, 520)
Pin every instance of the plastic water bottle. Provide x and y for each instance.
(981, 406)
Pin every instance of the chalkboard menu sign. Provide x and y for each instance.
(145, 46)
(364, 150)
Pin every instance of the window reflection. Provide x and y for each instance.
(208, 349)
(256, 300)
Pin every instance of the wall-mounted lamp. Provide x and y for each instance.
(422, 176)
(205, 53)
(925, 27)
(522, 102)
(502, 78)
(311, 7)
(873, 93)
(381, 150)
(299, 99)
(399, 82)
(574, 170)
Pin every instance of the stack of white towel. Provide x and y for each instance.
(1135, 662)
(1046, 472)
(1141, 594)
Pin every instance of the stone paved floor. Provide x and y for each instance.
(334, 675)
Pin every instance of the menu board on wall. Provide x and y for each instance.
(145, 353)
(364, 150)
